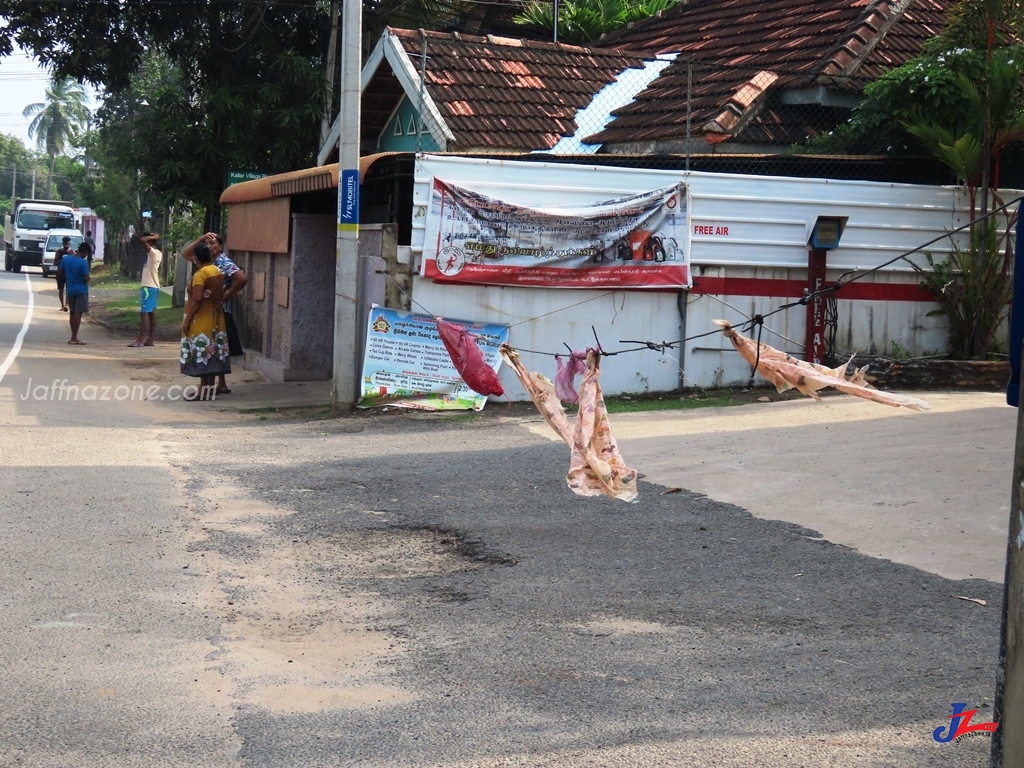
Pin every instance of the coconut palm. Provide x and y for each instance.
(56, 120)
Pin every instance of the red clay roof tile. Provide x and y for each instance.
(724, 43)
(505, 93)
(735, 58)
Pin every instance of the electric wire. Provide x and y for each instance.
(757, 321)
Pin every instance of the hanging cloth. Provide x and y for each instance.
(565, 376)
(786, 372)
(468, 359)
(596, 467)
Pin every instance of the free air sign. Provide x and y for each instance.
(348, 200)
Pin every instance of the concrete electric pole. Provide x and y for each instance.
(346, 283)
(1008, 740)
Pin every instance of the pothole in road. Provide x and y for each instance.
(457, 544)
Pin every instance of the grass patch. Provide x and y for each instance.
(123, 313)
(496, 408)
(108, 278)
(707, 398)
(114, 303)
(292, 413)
(131, 303)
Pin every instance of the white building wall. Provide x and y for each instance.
(543, 321)
(759, 231)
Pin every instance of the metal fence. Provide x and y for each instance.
(666, 112)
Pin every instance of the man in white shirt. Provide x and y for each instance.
(150, 291)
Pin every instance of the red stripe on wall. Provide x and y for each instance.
(775, 288)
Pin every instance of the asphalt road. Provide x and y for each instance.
(185, 585)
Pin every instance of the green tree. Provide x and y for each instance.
(946, 103)
(56, 120)
(68, 178)
(410, 14)
(581, 21)
(16, 166)
(980, 25)
(928, 85)
(246, 91)
(962, 102)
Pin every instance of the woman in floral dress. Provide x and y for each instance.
(204, 340)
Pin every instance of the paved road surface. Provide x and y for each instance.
(186, 585)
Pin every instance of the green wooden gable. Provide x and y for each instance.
(400, 133)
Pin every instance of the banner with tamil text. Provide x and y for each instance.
(639, 241)
(406, 364)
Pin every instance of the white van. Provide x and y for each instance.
(54, 239)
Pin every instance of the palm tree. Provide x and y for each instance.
(55, 120)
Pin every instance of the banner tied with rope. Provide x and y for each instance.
(638, 241)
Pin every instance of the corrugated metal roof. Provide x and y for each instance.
(294, 182)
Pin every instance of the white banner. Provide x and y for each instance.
(630, 242)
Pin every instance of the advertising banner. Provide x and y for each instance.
(407, 365)
(630, 242)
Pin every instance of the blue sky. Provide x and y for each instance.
(23, 82)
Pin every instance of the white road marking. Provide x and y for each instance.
(9, 361)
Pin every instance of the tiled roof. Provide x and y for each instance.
(744, 53)
(510, 94)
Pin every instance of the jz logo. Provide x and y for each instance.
(960, 724)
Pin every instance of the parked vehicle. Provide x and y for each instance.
(53, 242)
(27, 227)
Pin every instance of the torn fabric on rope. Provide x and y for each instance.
(786, 372)
(596, 467)
(468, 359)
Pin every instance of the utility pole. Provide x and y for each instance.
(1008, 710)
(346, 282)
(332, 51)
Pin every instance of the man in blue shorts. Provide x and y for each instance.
(75, 268)
(150, 291)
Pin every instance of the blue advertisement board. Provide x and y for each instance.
(348, 199)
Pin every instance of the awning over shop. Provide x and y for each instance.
(294, 182)
(261, 209)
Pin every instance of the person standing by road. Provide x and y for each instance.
(75, 267)
(92, 243)
(234, 281)
(58, 256)
(150, 291)
(204, 343)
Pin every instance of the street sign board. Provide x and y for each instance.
(237, 177)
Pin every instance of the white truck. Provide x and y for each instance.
(27, 227)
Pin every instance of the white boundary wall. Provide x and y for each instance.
(758, 228)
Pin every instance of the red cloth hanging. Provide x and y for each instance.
(468, 359)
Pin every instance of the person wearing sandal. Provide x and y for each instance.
(75, 270)
(204, 340)
(150, 291)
